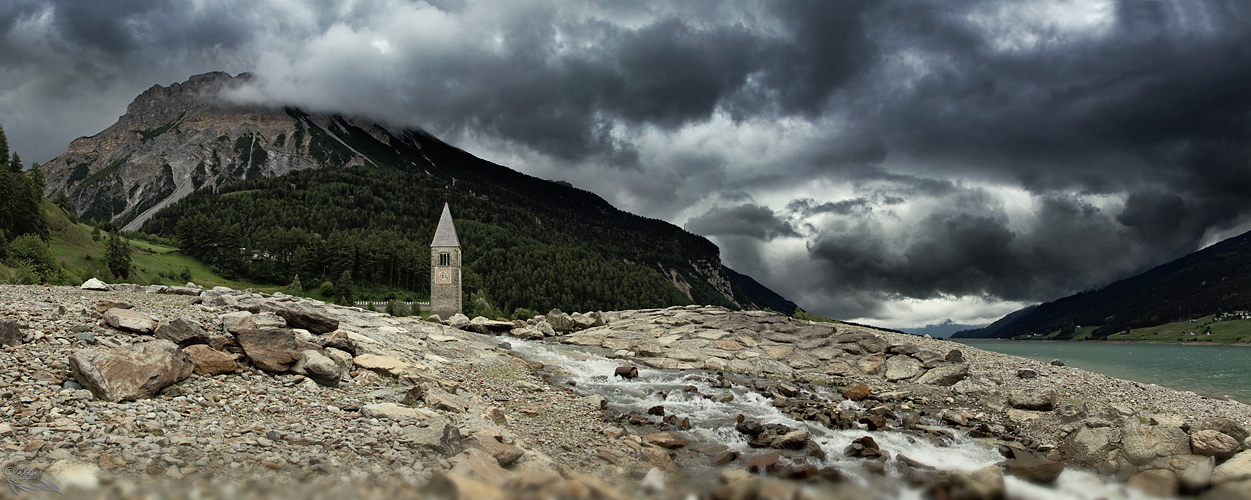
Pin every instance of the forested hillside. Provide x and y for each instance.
(377, 224)
(1212, 280)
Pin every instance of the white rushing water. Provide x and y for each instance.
(714, 422)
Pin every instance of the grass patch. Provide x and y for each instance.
(100, 174)
(83, 258)
(501, 371)
(1206, 329)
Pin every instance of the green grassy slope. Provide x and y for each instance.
(1206, 329)
(151, 264)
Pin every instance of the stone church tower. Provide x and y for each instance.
(445, 268)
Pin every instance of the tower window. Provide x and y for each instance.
(445, 259)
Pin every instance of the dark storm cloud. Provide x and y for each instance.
(1131, 140)
(964, 245)
(747, 219)
(917, 148)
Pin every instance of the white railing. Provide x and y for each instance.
(382, 306)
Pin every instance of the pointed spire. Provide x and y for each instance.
(445, 234)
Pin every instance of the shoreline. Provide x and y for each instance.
(284, 426)
(1144, 374)
(1213, 344)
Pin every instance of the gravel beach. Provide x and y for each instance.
(382, 407)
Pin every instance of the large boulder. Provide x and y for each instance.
(270, 349)
(383, 365)
(319, 367)
(505, 454)
(1090, 445)
(857, 392)
(666, 440)
(527, 333)
(209, 361)
(1227, 427)
(95, 285)
(1211, 443)
(1237, 468)
(440, 399)
(871, 364)
(458, 320)
(945, 375)
(129, 373)
(1034, 399)
(1025, 465)
(243, 321)
(929, 359)
(902, 367)
(1142, 445)
(182, 332)
(230, 321)
(129, 320)
(582, 322)
(560, 321)
(340, 357)
(315, 319)
(874, 343)
(490, 326)
(1197, 475)
(181, 290)
(10, 334)
(438, 434)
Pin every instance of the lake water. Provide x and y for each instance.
(1216, 371)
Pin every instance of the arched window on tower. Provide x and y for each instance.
(445, 259)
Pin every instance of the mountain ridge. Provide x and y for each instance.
(185, 139)
(1212, 279)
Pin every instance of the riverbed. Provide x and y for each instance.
(1221, 372)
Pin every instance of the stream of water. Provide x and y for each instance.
(714, 423)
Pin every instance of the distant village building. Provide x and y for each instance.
(445, 268)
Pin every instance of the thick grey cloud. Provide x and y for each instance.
(747, 219)
(855, 155)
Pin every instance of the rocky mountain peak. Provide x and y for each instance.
(182, 137)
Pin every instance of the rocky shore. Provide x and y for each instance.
(125, 390)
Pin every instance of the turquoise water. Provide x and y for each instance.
(1216, 371)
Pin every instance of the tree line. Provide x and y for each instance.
(23, 226)
(376, 225)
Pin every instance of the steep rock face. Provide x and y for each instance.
(176, 139)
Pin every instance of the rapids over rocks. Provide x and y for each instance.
(717, 421)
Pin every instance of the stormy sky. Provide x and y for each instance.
(900, 162)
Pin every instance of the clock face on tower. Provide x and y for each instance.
(443, 277)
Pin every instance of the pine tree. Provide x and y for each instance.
(4, 149)
(343, 289)
(117, 257)
(296, 287)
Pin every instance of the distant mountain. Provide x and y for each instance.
(265, 194)
(941, 330)
(759, 295)
(1214, 279)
